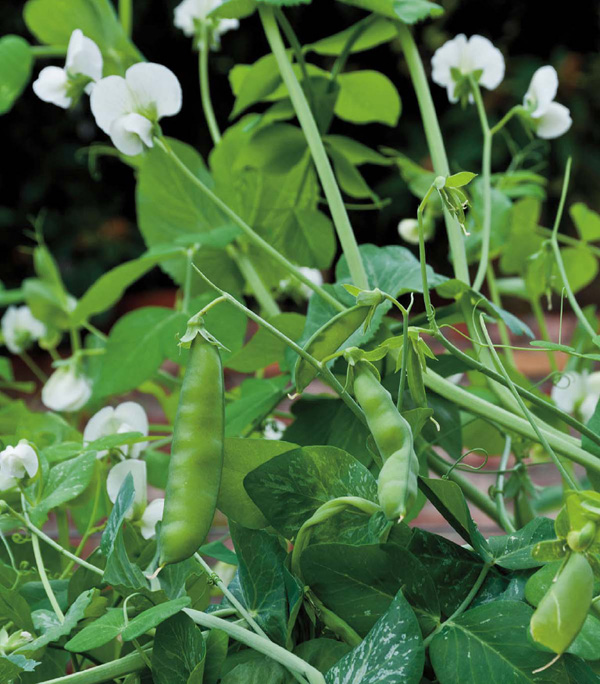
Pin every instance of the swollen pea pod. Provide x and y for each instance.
(196, 455)
(327, 340)
(561, 613)
(397, 484)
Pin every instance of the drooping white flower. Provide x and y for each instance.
(551, 119)
(67, 389)
(577, 393)
(20, 328)
(117, 476)
(152, 515)
(82, 69)
(274, 429)
(126, 417)
(128, 109)
(17, 462)
(192, 13)
(460, 57)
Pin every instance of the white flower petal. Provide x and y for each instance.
(555, 121)
(484, 55)
(542, 90)
(28, 457)
(66, 390)
(51, 86)
(274, 429)
(408, 230)
(569, 390)
(184, 16)
(446, 57)
(101, 424)
(83, 57)
(592, 382)
(134, 419)
(130, 132)
(152, 515)
(156, 90)
(6, 482)
(20, 328)
(588, 406)
(117, 476)
(19, 461)
(110, 100)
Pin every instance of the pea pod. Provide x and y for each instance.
(397, 484)
(327, 340)
(196, 455)
(561, 613)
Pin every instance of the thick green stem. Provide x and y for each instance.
(126, 16)
(104, 673)
(251, 234)
(209, 113)
(317, 149)
(435, 143)
(258, 643)
(268, 305)
(499, 493)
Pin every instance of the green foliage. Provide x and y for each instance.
(16, 62)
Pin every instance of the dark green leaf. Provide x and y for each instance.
(153, 617)
(259, 396)
(178, 649)
(99, 632)
(409, 11)
(513, 551)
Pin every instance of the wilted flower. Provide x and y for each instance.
(190, 14)
(20, 328)
(550, 118)
(67, 389)
(128, 109)
(577, 393)
(458, 58)
(17, 462)
(83, 67)
(126, 417)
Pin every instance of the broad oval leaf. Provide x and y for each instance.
(16, 61)
(367, 97)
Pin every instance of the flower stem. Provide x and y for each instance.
(126, 16)
(435, 143)
(33, 367)
(317, 149)
(499, 492)
(209, 113)
(250, 233)
(48, 50)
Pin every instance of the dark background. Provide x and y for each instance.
(90, 217)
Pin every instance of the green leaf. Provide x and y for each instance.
(241, 456)
(16, 62)
(274, 149)
(253, 83)
(285, 3)
(12, 665)
(100, 632)
(349, 177)
(356, 153)
(217, 643)
(153, 329)
(458, 180)
(375, 660)
(178, 649)
(53, 22)
(376, 33)
(234, 9)
(359, 583)
(14, 608)
(66, 481)
(490, 643)
(581, 267)
(587, 642)
(219, 551)
(123, 503)
(513, 551)
(289, 488)
(367, 97)
(409, 11)
(261, 578)
(153, 617)
(587, 221)
(522, 241)
(259, 396)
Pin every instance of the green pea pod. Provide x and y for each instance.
(397, 483)
(561, 613)
(414, 375)
(196, 456)
(327, 340)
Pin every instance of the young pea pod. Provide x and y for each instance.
(397, 484)
(561, 613)
(327, 340)
(196, 455)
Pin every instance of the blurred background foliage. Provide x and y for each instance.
(88, 205)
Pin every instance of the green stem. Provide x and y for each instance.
(317, 149)
(435, 143)
(251, 234)
(292, 39)
(104, 673)
(568, 240)
(48, 51)
(335, 623)
(98, 333)
(506, 118)
(507, 420)
(33, 367)
(359, 29)
(541, 321)
(187, 285)
(499, 493)
(423, 259)
(258, 643)
(502, 329)
(126, 16)
(559, 261)
(209, 113)
(486, 171)
(268, 305)
(62, 522)
(403, 368)
(321, 368)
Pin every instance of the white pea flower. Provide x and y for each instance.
(459, 57)
(67, 389)
(117, 476)
(550, 118)
(274, 429)
(126, 417)
(192, 13)
(408, 229)
(128, 109)
(152, 515)
(16, 463)
(20, 328)
(16, 640)
(83, 67)
(577, 393)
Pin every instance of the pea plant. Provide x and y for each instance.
(325, 575)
